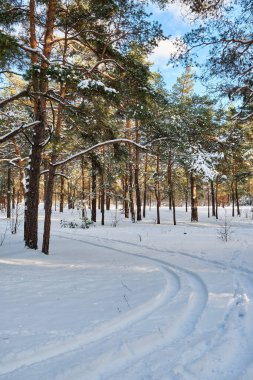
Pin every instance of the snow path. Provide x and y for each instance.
(222, 342)
(196, 323)
(69, 344)
(193, 296)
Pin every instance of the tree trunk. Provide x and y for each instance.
(62, 192)
(237, 198)
(157, 190)
(216, 199)
(45, 183)
(48, 210)
(102, 200)
(169, 174)
(9, 192)
(93, 189)
(174, 209)
(13, 197)
(83, 194)
(233, 198)
(136, 173)
(32, 195)
(213, 198)
(194, 199)
(108, 201)
(39, 82)
(130, 166)
(126, 195)
(145, 186)
(208, 203)
(172, 204)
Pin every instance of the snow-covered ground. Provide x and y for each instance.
(133, 302)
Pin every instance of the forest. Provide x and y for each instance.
(85, 122)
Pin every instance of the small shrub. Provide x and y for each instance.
(224, 231)
(84, 223)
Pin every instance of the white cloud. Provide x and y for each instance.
(166, 49)
(178, 10)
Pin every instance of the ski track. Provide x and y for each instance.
(183, 287)
(214, 343)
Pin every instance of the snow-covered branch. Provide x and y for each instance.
(15, 131)
(94, 147)
(36, 51)
(14, 97)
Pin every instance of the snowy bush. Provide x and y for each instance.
(84, 223)
(115, 219)
(224, 231)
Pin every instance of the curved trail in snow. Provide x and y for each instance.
(171, 316)
(188, 296)
(228, 340)
(71, 343)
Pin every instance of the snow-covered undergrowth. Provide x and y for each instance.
(136, 302)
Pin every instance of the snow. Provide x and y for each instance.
(90, 83)
(136, 301)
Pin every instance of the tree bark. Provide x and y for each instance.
(194, 199)
(102, 201)
(126, 194)
(93, 189)
(157, 190)
(169, 174)
(62, 193)
(108, 201)
(40, 82)
(9, 191)
(83, 193)
(213, 198)
(145, 186)
(216, 199)
(136, 173)
(237, 198)
(130, 168)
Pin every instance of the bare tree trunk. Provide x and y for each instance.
(126, 194)
(208, 202)
(233, 202)
(9, 191)
(130, 150)
(62, 192)
(69, 195)
(13, 197)
(169, 174)
(174, 209)
(40, 82)
(216, 199)
(48, 209)
(93, 189)
(237, 198)
(83, 197)
(108, 201)
(145, 186)
(137, 171)
(213, 198)
(132, 210)
(187, 193)
(157, 190)
(194, 199)
(102, 200)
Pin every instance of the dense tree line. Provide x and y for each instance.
(84, 119)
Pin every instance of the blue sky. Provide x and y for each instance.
(175, 23)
